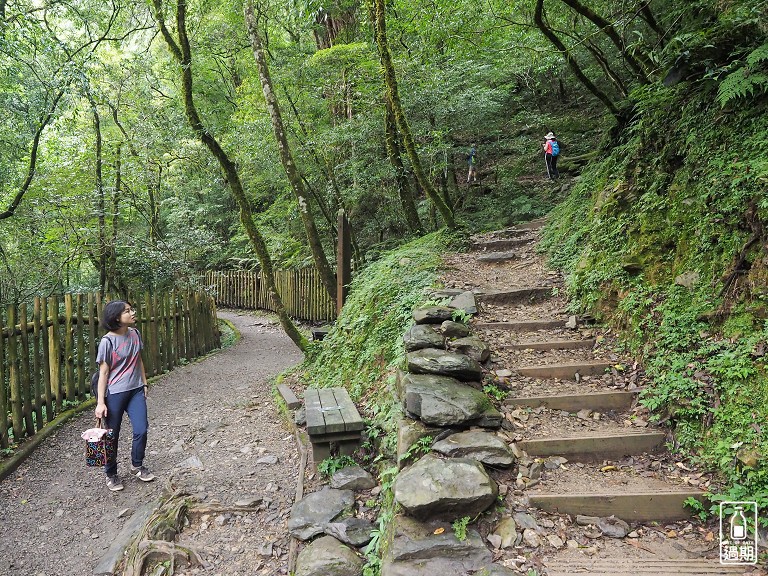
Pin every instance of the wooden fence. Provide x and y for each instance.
(302, 292)
(47, 355)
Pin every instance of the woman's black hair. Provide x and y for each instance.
(110, 319)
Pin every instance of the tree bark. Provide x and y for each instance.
(403, 186)
(327, 276)
(100, 203)
(402, 122)
(610, 31)
(181, 52)
(538, 18)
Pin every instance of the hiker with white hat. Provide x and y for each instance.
(551, 152)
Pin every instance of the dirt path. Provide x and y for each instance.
(214, 432)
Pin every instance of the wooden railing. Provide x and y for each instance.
(302, 292)
(47, 355)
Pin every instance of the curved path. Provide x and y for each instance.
(214, 432)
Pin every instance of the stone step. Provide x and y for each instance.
(529, 294)
(595, 447)
(630, 506)
(551, 345)
(536, 224)
(522, 325)
(501, 245)
(617, 400)
(660, 567)
(495, 257)
(565, 371)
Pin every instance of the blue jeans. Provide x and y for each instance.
(134, 403)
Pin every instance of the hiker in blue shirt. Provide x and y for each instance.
(472, 163)
(551, 152)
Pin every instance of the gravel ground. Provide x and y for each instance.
(214, 433)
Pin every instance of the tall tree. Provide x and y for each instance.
(393, 94)
(327, 276)
(181, 51)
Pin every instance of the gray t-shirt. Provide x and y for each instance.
(122, 354)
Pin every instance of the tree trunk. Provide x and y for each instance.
(112, 274)
(610, 31)
(552, 37)
(182, 54)
(327, 276)
(100, 204)
(400, 119)
(403, 186)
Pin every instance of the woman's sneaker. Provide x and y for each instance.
(142, 473)
(114, 483)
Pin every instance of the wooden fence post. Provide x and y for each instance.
(343, 260)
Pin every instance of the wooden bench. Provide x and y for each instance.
(320, 333)
(331, 418)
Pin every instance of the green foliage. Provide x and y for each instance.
(749, 78)
(330, 466)
(421, 446)
(495, 392)
(460, 528)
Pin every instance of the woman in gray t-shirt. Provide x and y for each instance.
(123, 387)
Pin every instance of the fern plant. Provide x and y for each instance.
(749, 79)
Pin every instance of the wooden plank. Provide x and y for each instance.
(13, 374)
(26, 380)
(37, 387)
(601, 401)
(592, 448)
(337, 437)
(69, 351)
(349, 413)
(331, 412)
(83, 363)
(629, 506)
(565, 371)
(652, 566)
(315, 420)
(551, 345)
(54, 354)
(521, 325)
(289, 397)
(46, 368)
(3, 392)
(528, 295)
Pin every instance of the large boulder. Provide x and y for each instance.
(464, 301)
(451, 329)
(421, 336)
(478, 445)
(471, 346)
(353, 531)
(442, 363)
(415, 550)
(432, 314)
(409, 432)
(445, 489)
(327, 556)
(443, 401)
(310, 514)
(352, 478)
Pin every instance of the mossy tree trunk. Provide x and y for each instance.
(182, 53)
(402, 122)
(327, 276)
(403, 186)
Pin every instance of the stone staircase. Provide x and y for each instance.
(563, 476)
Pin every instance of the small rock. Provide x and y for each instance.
(531, 538)
(546, 523)
(122, 514)
(584, 414)
(494, 540)
(592, 534)
(555, 541)
(504, 373)
(266, 550)
(268, 459)
(633, 534)
(249, 501)
(525, 521)
(572, 544)
(613, 527)
(583, 520)
(222, 519)
(571, 324)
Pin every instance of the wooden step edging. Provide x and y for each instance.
(614, 567)
(629, 506)
(551, 345)
(565, 371)
(501, 245)
(522, 325)
(530, 294)
(591, 448)
(497, 257)
(618, 400)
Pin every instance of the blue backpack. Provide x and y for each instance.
(555, 148)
